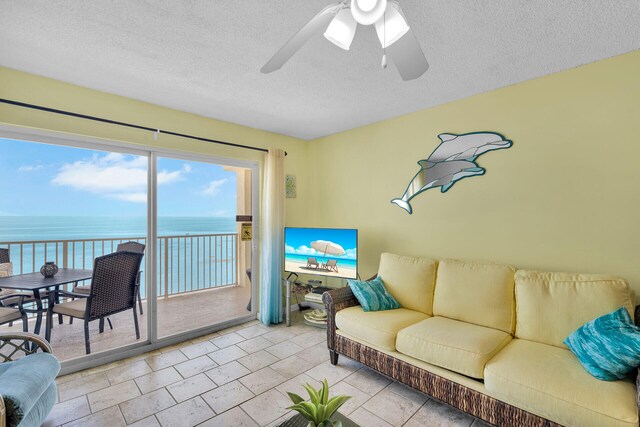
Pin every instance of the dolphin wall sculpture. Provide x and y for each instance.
(453, 160)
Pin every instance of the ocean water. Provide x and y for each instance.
(192, 262)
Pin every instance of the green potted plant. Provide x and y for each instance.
(320, 408)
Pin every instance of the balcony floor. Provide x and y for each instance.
(179, 313)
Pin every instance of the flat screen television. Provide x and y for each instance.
(329, 252)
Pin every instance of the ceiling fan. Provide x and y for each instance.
(341, 21)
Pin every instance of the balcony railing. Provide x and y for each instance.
(186, 263)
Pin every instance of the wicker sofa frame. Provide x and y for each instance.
(479, 405)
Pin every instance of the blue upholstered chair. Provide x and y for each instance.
(27, 380)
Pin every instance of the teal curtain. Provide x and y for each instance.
(272, 238)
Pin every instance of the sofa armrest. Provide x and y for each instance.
(336, 300)
(18, 344)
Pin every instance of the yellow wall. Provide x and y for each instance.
(23, 87)
(565, 197)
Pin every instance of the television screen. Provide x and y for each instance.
(323, 251)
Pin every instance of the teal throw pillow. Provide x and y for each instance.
(608, 347)
(372, 295)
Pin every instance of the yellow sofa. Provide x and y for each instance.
(488, 339)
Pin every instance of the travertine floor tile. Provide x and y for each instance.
(227, 373)
(311, 338)
(316, 354)
(110, 417)
(227, 396)
(332, 374)
(127, 372)
(191, 387)
(368, 381)
(195, 366)
(363, 417)
(438, 414)
(258, 360)
(111, 396)
(81, 386)
(254, 344)
(67, 411)
(227, 340)
(227, 354)
(253, 331)
(186, 414)
(295, 385)
(279, 335)
(262, 380)
(147, 422)
(267, 407)
(157, 379)
(198, 349)
(391, 407)
(165, 360)
(235, 417)
(291, 366)
(358, 397)
(284, 349)
(148, 404)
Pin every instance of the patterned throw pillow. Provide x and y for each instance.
(6, 269)
(372, 295)
(608, 347)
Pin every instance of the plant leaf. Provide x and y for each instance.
(335, 403)
(313, 394)
(313, 410)
(322, 410)
(324, 394)
(302, 411)
(295, 398)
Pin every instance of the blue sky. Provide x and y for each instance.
(298, 240)
(45, 180)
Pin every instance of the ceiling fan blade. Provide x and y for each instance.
(407, 54)
(320, 21)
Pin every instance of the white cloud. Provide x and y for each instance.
(130, 197)
(29, 168)
(113, 175)
(213, 187)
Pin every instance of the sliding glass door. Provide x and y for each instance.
(203, 263)
(70, 206)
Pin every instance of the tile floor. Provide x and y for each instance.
(238, 377)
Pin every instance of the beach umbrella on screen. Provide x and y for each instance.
(328, 248)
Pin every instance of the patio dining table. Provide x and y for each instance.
(37, 284)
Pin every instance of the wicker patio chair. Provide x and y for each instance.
(128, 247)
(114, 288)
(13, 312)
(4, 256)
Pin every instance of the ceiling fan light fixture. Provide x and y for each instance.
(368, 12)
(342, 29)
(392, 26)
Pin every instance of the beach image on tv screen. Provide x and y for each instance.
(322, 251)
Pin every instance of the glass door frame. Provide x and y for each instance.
(152, 341)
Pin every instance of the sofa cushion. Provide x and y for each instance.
(458, 346)
(377, 327)
(550, 382)
(372, 295)
(410, 280)
(474, 292)
(550, 306)
(608, 347)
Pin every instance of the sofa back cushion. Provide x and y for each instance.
(474, 292)
(550, 306)
(409, 280)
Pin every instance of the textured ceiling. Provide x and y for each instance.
(204, 56)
